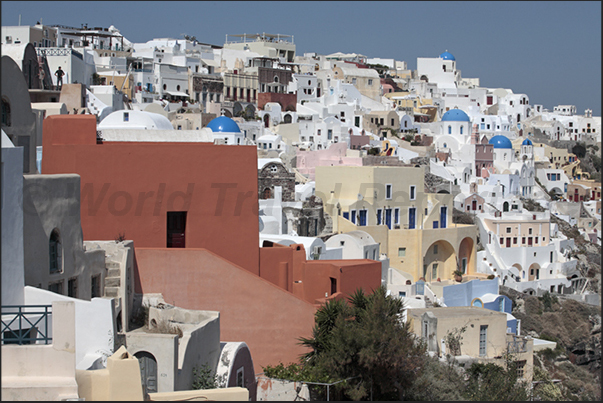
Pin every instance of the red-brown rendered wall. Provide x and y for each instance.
(288, 268)
(269, 319)
(128, 188)
(288, 102)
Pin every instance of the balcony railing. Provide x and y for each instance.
(58, 52)
(26, 324)
(517, 344)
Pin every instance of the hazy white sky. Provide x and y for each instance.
(550, 51)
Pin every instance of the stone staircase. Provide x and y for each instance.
(113, 281)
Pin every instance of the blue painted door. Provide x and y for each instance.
(443, 217)
(362, 217)
(412, 213)
(388, 218)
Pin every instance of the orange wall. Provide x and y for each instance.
(267, 318)
(284, 266)
(350, 275)
(128, 187)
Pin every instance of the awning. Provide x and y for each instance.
(177, 94)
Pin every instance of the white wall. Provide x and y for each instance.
(94, 326)
(13, 278)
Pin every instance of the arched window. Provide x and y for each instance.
(449, 129)
(6, 119)
(177, 88)
(276, 79)
(461, 129)
(55, 252)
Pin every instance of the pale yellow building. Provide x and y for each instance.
(485, 338)
(367, 81)
(413, 228)
(407, 101)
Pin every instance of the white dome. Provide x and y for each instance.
(132, 119)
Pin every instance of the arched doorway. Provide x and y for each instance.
(148, 371)
(439, 261)
(506, 206)
(534, 272)
(288, 118)
(266, 120)
(267, 194)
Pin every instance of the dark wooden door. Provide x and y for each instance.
(176, 229)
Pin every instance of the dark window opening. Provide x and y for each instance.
(176, 227)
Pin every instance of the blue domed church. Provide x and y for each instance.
(226, 129)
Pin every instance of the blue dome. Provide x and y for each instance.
(224, 124)
(500, 142)
(447, 56)
(527, 142)
(455, 115)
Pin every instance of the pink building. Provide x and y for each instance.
(335, 155)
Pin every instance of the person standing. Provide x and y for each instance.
(59, 73)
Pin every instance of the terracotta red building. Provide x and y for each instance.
(192, 211)
(192, 195)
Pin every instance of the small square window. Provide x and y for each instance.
(508, 230)
(401, 252)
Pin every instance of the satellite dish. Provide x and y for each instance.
(359, 196)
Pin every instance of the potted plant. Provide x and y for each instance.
(458, 275)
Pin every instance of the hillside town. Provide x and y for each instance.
(177, 214)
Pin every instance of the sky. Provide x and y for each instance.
(550, 51)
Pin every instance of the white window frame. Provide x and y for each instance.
(388, 191)
(397, 215)
(241, 371)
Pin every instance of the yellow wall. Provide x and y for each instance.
(119, 381)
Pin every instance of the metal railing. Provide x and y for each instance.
(26, 324)
(518, 344)
(58, 52)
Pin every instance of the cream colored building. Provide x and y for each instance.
(485, 338)
(413, 228)
(378, 122)
(367, 81)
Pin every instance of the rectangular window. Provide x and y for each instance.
(483, 338)
(434, 271)
(56, 287)
(370, 81)
(95, 289)
(72, 287)
(515, 240)
(241, 377)
(329, 134)
(464, 265)
(388, 191)
(435, 249)
(401, 252)
(502, 240)
(508, 230)
(379, 211)
(353, 213)
(523, 240)
(397, 215)
(413, 194)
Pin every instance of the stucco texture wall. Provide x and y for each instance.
(269, 319)
(129, 188)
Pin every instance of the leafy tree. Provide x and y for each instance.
(492, 382)
(368, 342)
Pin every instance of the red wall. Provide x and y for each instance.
(267, 318)
(288, 268)
(284, 100)
(128, 187)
